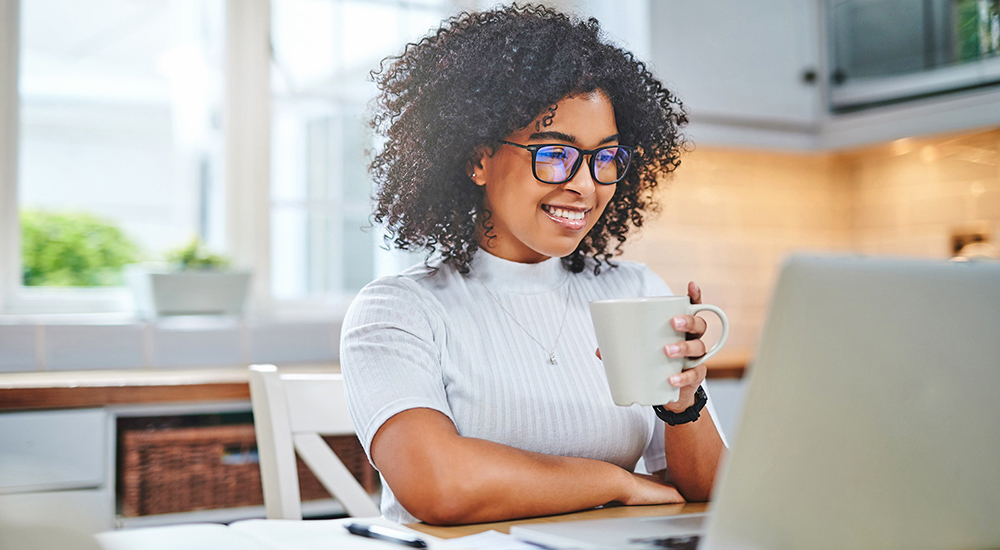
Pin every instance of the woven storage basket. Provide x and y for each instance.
(200, 468)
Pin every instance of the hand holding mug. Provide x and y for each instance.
(652, 348)
(688, 380)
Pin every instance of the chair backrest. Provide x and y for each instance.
(291, 413)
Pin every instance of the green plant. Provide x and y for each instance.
(73, 249)
(194, 255)
(975, 33)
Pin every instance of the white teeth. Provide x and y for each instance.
(567, 214)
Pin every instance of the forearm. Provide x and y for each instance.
(443, 478)
(482, 481)
(694, 451)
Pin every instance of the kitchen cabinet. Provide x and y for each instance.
(755, 75)
(60, 465)
(741, 63)
(60, 434)
(54, 464)
(51, 450)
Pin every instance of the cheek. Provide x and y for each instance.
(511, 204)
(604, 196)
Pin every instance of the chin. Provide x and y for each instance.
(559, 251)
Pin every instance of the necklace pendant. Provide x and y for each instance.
(552, 359)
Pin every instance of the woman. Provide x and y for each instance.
(520, 150)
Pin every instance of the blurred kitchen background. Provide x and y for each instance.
(130, 127)
(847, 125)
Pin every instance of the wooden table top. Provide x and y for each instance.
(97, 388)
(451, 532)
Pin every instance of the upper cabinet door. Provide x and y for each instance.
(741, 63)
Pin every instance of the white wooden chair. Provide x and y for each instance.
(291, 412)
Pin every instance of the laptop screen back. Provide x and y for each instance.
(873, 414)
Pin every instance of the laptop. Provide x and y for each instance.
(872, 419)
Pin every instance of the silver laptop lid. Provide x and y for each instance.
(873, 415)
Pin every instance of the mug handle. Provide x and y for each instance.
(695, 308)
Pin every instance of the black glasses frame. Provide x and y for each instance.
(579, 161)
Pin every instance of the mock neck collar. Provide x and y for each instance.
(506, 276)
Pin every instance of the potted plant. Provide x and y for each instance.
(193, 282)
(73, 249)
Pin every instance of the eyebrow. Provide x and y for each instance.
(560, 136)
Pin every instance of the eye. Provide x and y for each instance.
(555, 154)
(605, 156)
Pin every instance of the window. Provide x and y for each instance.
(119, 109)
(123, 113)
(323, 245)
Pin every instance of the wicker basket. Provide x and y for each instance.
(209, 467)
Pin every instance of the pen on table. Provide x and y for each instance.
(386, 534)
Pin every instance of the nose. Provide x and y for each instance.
(582, 183)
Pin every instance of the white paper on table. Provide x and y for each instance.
(487, 540)
(327, 534)
(195, 536)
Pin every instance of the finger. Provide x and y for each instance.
(694, 293)
(689, 348)
(598, 353)
(692, 324)
(690, 377)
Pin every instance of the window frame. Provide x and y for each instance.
(246, 130)
(10, 241)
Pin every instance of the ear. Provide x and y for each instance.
(476, 168)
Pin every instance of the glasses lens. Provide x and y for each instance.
(554, 163)
(610, 164)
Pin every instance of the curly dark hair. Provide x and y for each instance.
(481, 76)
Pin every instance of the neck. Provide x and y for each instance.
(503, 248)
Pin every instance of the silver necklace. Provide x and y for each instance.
(550, 351)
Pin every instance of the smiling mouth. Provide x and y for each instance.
(567, 218)
(565, 213)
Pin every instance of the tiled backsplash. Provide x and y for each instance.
(88, 347)
(729, 216)
(181, 342)
(196, 341)
(18, 348)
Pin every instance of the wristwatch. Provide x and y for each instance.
(688, 415)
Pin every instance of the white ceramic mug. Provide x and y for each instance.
(632, 333)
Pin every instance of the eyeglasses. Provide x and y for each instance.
(559, 163)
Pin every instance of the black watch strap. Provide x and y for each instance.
(690, 414)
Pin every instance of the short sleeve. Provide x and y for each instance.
(390, 355)
(655, 455)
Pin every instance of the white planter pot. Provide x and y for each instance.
(164, 292)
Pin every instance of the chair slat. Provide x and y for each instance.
(334, 475)
(291, 412)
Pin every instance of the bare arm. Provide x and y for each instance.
(443, 478)
(694, 451)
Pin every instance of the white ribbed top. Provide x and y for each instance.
(437, 339)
